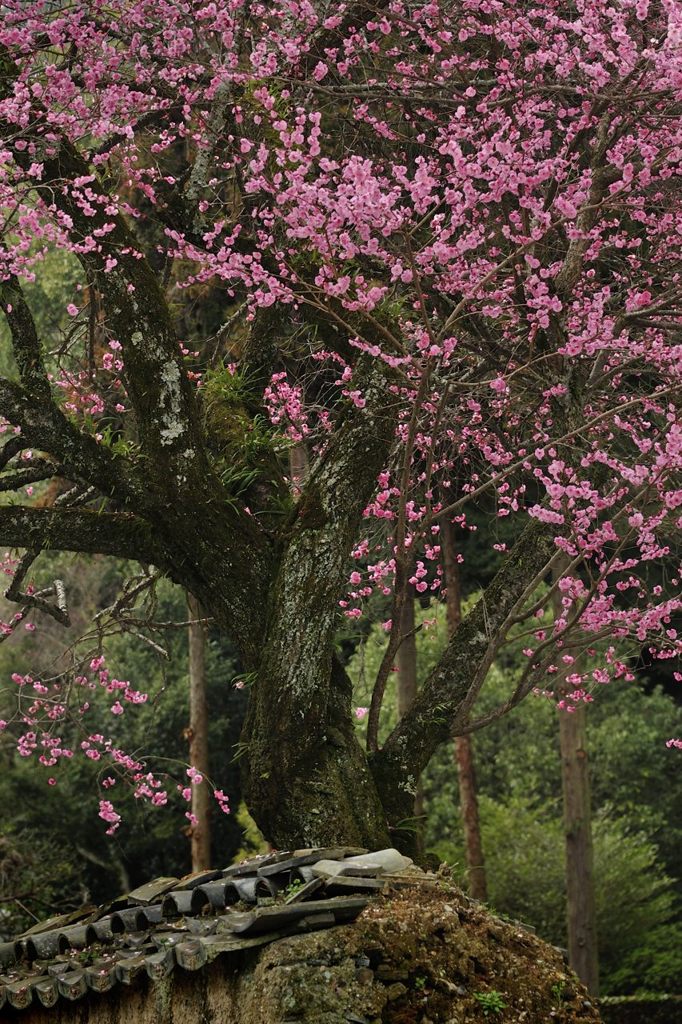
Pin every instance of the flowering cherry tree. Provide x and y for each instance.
(444, 241)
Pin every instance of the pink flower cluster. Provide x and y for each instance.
(38, 716)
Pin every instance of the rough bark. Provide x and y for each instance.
(200, 834)
(304, 769)
(468, 802)
(83, 530)
(321, 795)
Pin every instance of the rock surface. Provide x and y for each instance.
(382, 862)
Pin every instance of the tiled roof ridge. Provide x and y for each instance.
(189, 921)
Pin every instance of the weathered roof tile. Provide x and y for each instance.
(191, 955)
(129, 967)
(342, 886)
(188, 922)
(43, 947)
(8, 954)
(304, 859)
(158, 965)
(46, 990)
(19, 994)
(270, 918)
(219, 894)
(132, 919)
(183, 901)
(83, 914)
(150, 892)
(101, 976)
(72, 985)
(198, 878)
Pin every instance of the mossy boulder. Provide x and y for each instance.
(422, 956)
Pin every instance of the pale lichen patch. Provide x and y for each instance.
(171, 403)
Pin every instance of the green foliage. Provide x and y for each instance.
(248, 452)
(253, 842)
(558, 990)
(35, 879)
(111, 438)
(55, 827)
(524, 850)
(365, 662)
(223, 386)
(292, 888)
(232, 422)
(490, 1002)
(636, 798)
(654, 964)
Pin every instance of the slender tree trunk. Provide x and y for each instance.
(464, 748)
(468, 797)
(580, 898)
(200, 833)
(407, 677)
(575, 783)
(299, 464)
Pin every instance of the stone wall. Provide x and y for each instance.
(423, 956)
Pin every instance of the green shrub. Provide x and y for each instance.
(524, 850)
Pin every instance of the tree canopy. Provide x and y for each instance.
(343, 274)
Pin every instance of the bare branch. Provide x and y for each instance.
(11, 447)
(32, 472)
(402, 558)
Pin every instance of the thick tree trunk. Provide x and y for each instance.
(200, 833)
(304, 795)
(464, 747)
(580, 897)
(306, 778)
